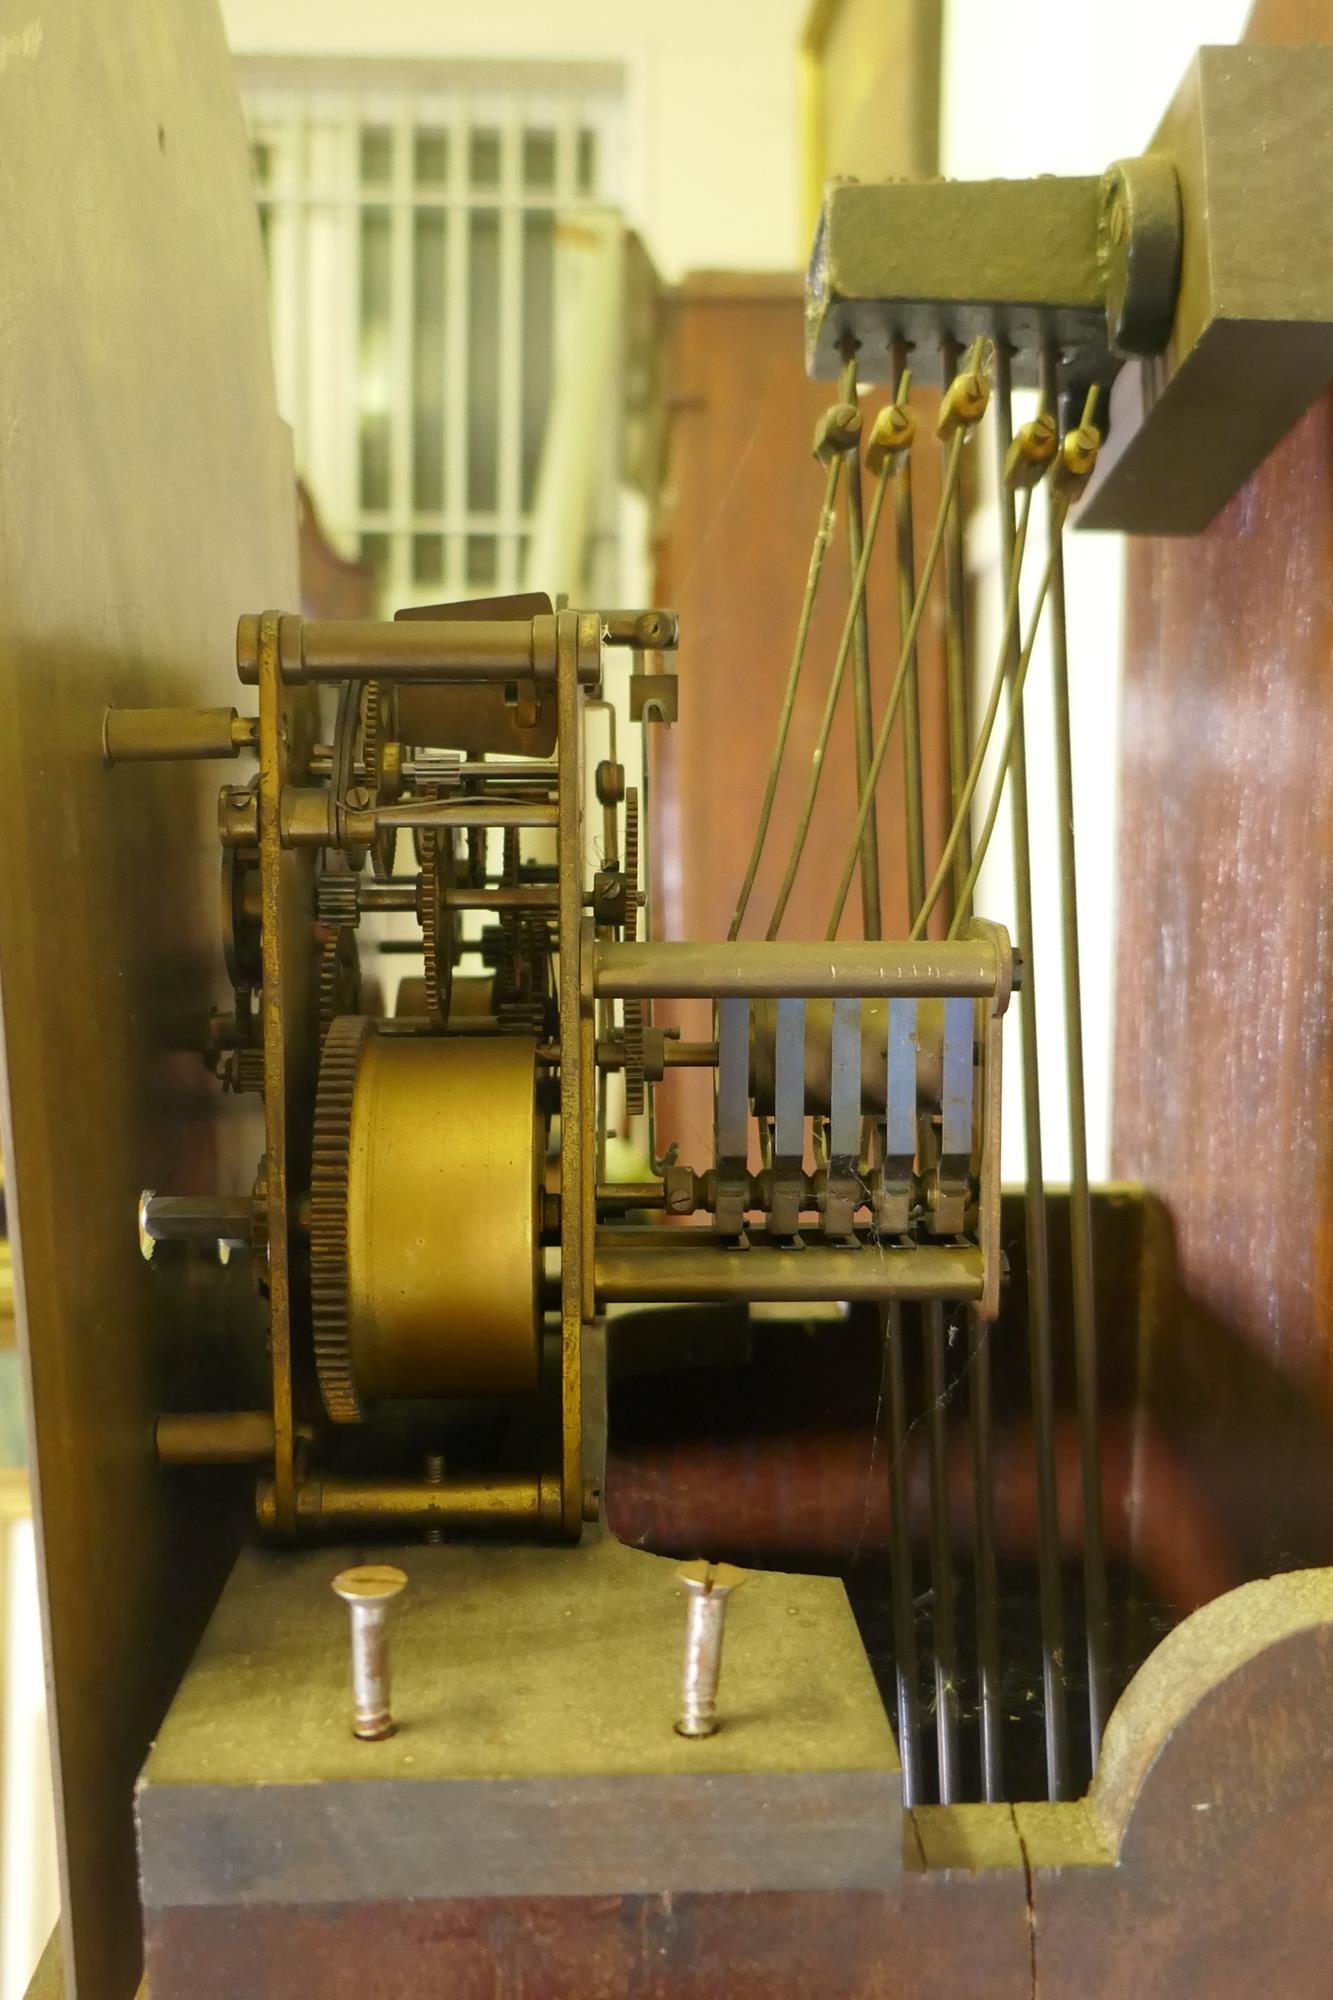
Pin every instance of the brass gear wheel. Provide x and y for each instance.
(343, 1044)
(379, 720)
(337, 899)
(437, 920)
(633, 1009)
(339, 976)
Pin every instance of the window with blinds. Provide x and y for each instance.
(410, 229)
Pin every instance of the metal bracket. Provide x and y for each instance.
(1198, 279)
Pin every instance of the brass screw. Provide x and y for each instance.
(708, 1585)
(367, 1591)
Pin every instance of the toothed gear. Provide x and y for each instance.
(244, 1070)
(371, 716)
(633, 1009)
(523, 976)
(337, 900)
(378, 728)
(339, 976)
(343, 1045)
(437, 923)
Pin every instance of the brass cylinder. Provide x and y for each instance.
(971, 968)
(443, 1218)
(154, 735)
(226, 1437)
(508, 1504)
(660, 1267)
(421, 649)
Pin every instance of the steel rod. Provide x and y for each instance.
(1014, 723)
(865, 803)
(1038, 1256)
(904, 545)
(987, 1594)
(826, 720)
(893, 1396)
(1080, 1206)
(385, 896)
(823, 530)
(941, 1555)
(1013, 570)
(932, 1314)
(867, 798)
(956, 651)
(675, 1055)
(863, 724)
(630, 1194)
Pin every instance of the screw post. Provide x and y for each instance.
(708, 1587)
(367, 1592)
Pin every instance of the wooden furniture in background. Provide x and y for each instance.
(870, 93)
(332, 585)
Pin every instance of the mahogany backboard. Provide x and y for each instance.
(146, 499)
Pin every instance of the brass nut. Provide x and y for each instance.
(238, 816)
(964, 403)
(1031, 452)
(610, 783)
(838, 430)
(892, 433)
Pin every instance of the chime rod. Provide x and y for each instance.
(932, 1315)
(955, 653)
(1038, 1254)
(941, 1555)
(1080, 1206)
(1008, 643)
(1059, 507)
(830, 709)
(894, 1397)
(863, 724)
(952, 470)
(904, 546)
(823, 530)
(987, 1595)
(980, 1419)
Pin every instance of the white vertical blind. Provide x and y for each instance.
(410, 231)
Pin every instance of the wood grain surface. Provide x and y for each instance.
(1197, 1869)
(1224, 1054)
(146, 499)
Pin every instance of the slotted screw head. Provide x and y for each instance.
(369, 1583)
